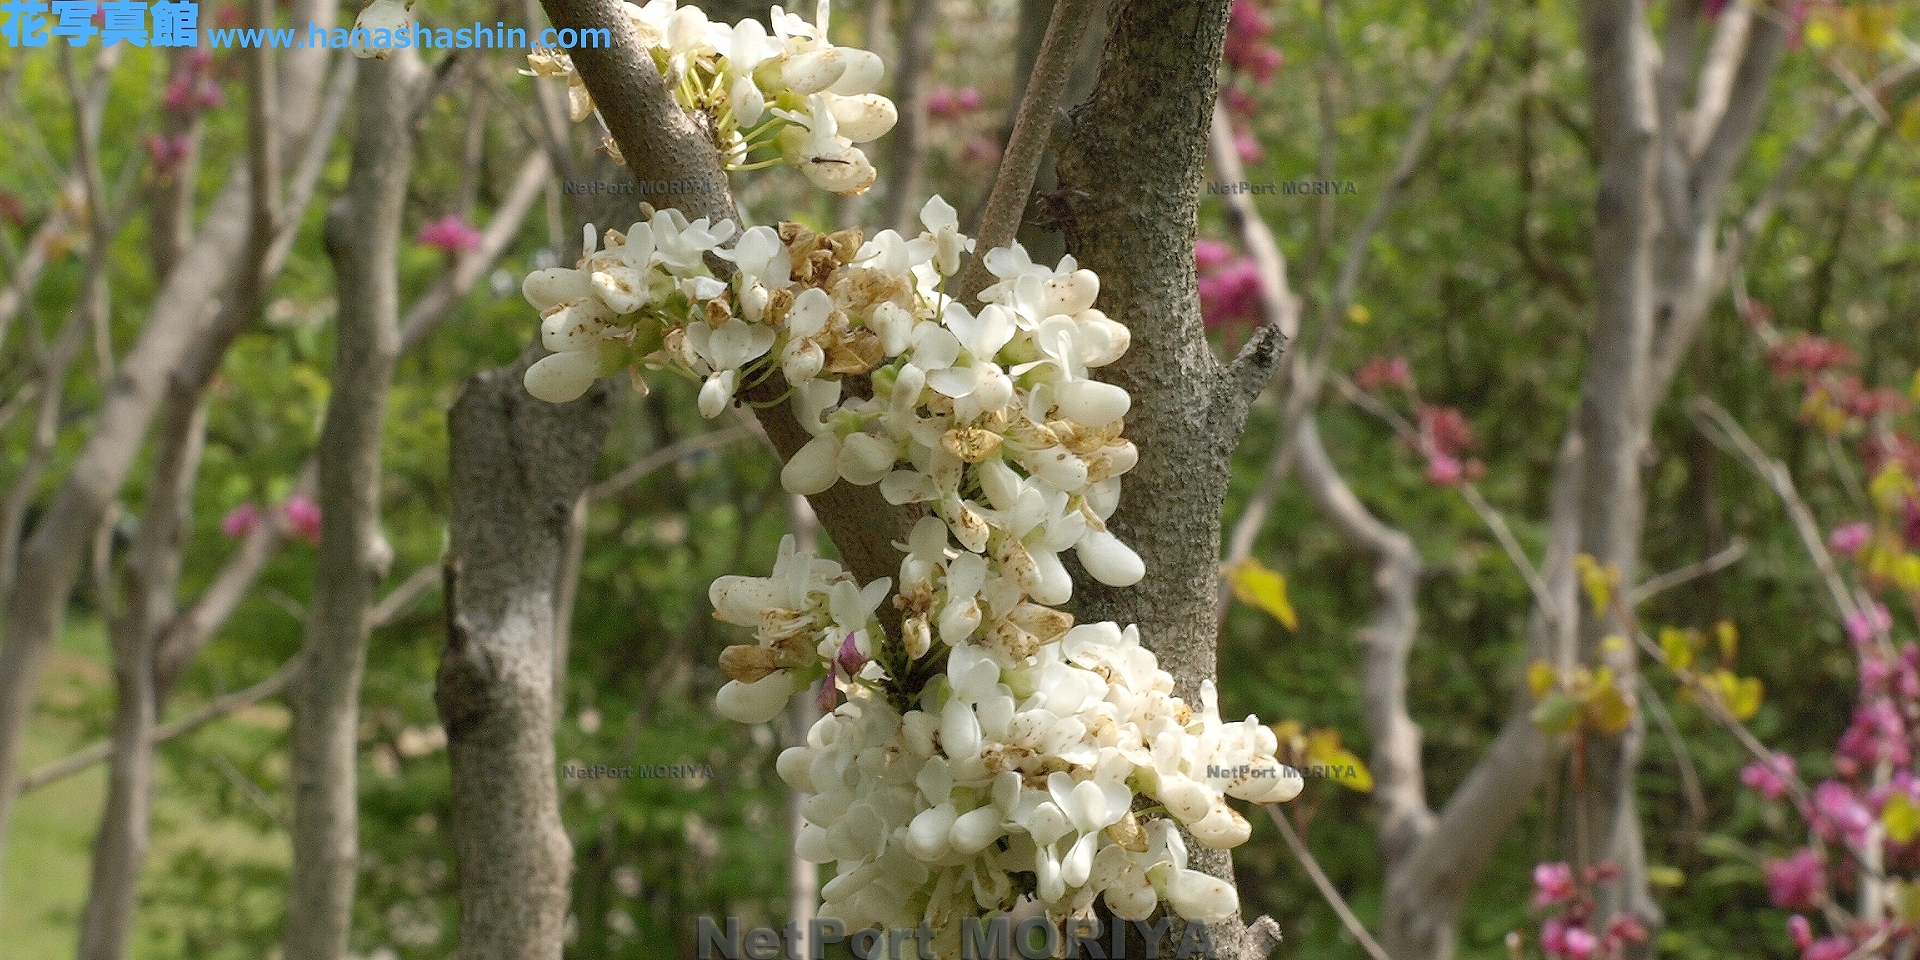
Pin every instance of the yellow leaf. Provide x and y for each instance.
(1673, 643)
(1599, 581)
(1257, 586)
(1740, 695)
(1901, 818)
(1906, 572)
(1891, 487)
(1541, 678)
(1819, 34)
(1729, 637)
(1610, 711)
(1337, 762)
(1359, 315)
(1906, 901)
(1913, 120)
(1669, 877)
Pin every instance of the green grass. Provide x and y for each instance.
(44, 886)
(51, 837)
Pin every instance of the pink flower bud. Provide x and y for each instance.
(240, 521)
(1849, 539)
(304, 515)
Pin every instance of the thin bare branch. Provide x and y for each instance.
(1325, 886)
(1656, 585)
(664, 456)
(1032, 129)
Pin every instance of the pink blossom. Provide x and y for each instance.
(240, 521)
(1800, 930)
(967, 99)
(1247, 147)
(1794, 881)
(1379, 373)
(1850, 538)
(449, 233)
(981, 151)
(1552, 883)
(942, 103)
(849, 658)
(1828, 948)
(1230, 296)
(1868, 622)
(829, 695)
(99, 18)
(1580, 943)
(207, 94)
(1240, 102)
(1839, 812)
(178, 97)
(1624, 928)
(168, 153)
(1210, 255)
(1445, 471)
(200, 59)
(1553, 937)
(304, 515)
(1770, 778)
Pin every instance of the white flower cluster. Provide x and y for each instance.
(792, 91)
(988, 748)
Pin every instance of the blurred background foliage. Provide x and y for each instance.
(1479, 280)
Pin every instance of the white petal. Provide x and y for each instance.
(814, 468)
(716, 393)
(1110, 561)
(865, 117)
(563, 376)
(974, 830)
(553, 286)
(756, 702)
(1199, 896)
(1091, 402)
(810, 73)
(793, 767)
(864, 71)
(865, 459)
(749, 104)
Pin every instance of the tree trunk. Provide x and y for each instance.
(1130, 167)
(519, 465)
(363, 237)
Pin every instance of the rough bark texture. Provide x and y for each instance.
(519, 465)
(50, 563)
(363, 236)
(1130, 165)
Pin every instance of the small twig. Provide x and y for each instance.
(1332, 896)
(1032, 127)
(1733, 554)
(251, 789)
(671, 453)
(1725, 432)
(1682, 755)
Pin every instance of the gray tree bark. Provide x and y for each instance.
(363, 237)
(1130, 163)
(519, 467)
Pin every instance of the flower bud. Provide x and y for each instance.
(812, 72)
(865, 117)
(1110, 561)
(388, 16)
(756, 702)
(1199, 896)
(563, 377)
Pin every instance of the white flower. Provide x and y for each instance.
(756, 702)
(562, 377)
(388, 16)
(863, 118)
